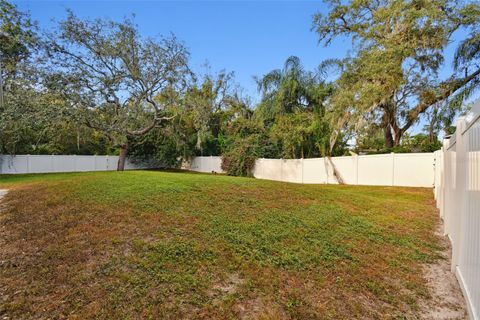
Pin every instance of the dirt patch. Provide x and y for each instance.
(259, 309)
(225, 288)
(447, 301)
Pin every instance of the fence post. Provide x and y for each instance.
(355, 167)
(262, 174)
(52, 165)
(460, 194)
(393, 168)
(28, 163)
(75, 163)
(460, 180)
(444, 183)
(301, 160)
(281, 169)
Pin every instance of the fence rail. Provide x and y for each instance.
(59, 163)
(457, 190)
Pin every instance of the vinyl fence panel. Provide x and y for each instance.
(315, 171)
(410, 170)
(414, 169)
(458, 197)
(347, 167)
(269, 169)
(205, 164)
(376, 170)
(64, 163)
(292, 170)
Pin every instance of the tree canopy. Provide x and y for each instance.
(97, 86)
(392, 77)
(112, 77)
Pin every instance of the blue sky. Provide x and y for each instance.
(247, 37)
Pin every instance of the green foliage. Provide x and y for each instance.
(18, 38)
(202, 116)
(142, 250)
(420, 143)
(293, 109)
(93, 94)
(111, 76)
(19, 101)
(246, 141)
(371, 141)
(392, 78)
(239, 160)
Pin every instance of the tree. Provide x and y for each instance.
(211, 104)
(18, 39)
(204, 111)
(20, 99)
(293, 109)
(392, 78)
(112, 77)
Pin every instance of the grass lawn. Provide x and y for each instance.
(164, 245)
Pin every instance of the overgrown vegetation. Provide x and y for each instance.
(174, 245)
(100, 87)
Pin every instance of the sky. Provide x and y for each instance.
(249, 38)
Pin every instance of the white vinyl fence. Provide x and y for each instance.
(205, 164)
(409, 169)
(58, 163)
(457, 190)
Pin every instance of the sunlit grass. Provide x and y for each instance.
(156, 244)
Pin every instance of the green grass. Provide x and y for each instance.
(150, 244)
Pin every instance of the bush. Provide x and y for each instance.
(240, 158)
(246, 141)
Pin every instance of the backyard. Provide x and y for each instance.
(153, 244)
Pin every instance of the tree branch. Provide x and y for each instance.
(450, 87)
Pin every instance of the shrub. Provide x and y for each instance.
(240, 158)
(246, 141)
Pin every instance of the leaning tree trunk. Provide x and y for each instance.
(122, 158)
(336, 173)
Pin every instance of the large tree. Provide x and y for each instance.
(204, 112)
(18, 37)
(392, 78)
(21, 101)
(293, 108)
(112, 77)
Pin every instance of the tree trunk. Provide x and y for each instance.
(432, 124)
(123, 157)
(397, 136)
(387, 133)
(336, 173)
(431, 134)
